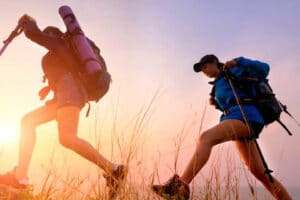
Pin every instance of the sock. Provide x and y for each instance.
(183, 181)
(116, 166)
(24, 181)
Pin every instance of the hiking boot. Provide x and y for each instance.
(173, 189)
(9, 179)
(114, 180)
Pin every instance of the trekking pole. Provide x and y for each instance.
(17, 31)
(267, 170)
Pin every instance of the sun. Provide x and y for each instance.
(8, 134)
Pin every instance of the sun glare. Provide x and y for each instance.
(8, 134)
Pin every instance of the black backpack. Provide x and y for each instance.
(268, 105)
(263, 98)
(96, 84)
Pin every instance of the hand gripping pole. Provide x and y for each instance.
(17, 31)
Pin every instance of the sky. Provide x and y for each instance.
(150, 47)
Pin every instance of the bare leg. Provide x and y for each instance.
(250, 155)
(224, 131)
(29, 124)
(68, 119)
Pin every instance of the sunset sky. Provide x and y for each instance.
(150, 47)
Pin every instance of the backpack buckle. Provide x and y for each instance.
(226, 112)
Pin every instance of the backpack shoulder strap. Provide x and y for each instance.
(212, 98)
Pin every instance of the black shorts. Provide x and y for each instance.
(256, 127)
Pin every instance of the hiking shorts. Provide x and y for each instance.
(69, 91)
(256, 127)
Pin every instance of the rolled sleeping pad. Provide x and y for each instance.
(83, 49)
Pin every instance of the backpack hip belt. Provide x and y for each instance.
(244, 101)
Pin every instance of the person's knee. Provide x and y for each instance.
(258, 173)
(207, 139)
(27, 123)
(67, 141)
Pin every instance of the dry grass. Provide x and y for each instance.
(129, 146)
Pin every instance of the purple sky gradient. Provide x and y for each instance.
(151, 45)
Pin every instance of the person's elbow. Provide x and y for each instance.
(29, 33)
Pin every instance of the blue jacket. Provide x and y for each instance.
(224, 96)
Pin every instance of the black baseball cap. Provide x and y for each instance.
(210, 58)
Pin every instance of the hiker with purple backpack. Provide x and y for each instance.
(61, 67)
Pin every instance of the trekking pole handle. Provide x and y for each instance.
(17, 31)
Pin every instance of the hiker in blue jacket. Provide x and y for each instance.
(69, 98)
(232, 126)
